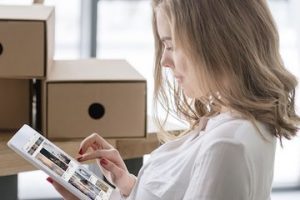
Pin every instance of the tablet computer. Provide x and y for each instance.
(64, 169)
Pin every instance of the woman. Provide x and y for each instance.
(230, 85)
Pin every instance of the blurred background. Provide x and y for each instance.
(122, 29)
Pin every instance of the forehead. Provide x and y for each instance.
(163, 25)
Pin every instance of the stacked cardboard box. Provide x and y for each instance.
(85, 96)
(73, 97)
(26, 50)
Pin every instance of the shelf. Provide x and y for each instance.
(11, 163)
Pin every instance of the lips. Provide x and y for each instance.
(178, 78)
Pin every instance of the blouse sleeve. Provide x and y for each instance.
(221, 173)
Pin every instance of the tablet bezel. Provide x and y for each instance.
(24, 135)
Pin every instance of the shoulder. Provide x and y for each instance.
(238, 131)
(223, 157)
(224, 149)
(239, 140)
(224, 161)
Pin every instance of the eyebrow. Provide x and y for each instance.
(165, 38)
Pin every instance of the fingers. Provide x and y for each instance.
(115, 171)
(50, 180)
(110, 154)
(121, 178)
(60, 189)
(94, 141)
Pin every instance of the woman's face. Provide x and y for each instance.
(174, 58)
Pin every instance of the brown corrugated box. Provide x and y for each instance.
(26, 41)
(15, 103)
(85, 96)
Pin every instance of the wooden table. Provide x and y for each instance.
(11, 163)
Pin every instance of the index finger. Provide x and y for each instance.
(92, 140)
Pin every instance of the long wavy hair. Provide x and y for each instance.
(233, 39)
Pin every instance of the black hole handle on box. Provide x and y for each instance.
(1, 49)
(96, 110)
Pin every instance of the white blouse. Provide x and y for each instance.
(229, 160)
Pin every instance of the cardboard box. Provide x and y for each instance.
(15, 103)
(86, 96)
(26, 41)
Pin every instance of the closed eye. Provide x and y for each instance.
(168, 47)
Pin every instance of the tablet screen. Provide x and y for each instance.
(67, 168)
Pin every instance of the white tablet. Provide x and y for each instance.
(64, 169)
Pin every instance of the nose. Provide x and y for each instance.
(167, 59)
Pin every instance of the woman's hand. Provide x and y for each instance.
(60, 189)
(109, 161)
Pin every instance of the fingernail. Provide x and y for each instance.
(80, 151)
(103, 162)
(79, 158)
(50, 180)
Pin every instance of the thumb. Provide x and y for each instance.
(121, 178)
(115, 171)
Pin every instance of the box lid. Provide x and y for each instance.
(92, 70)
(26, 12)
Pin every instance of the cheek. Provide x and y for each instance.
(181, 64)
(191, 84)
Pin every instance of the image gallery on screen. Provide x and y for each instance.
(80, 178)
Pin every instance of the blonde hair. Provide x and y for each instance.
(233, 39)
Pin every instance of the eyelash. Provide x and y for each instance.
(168, 48)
